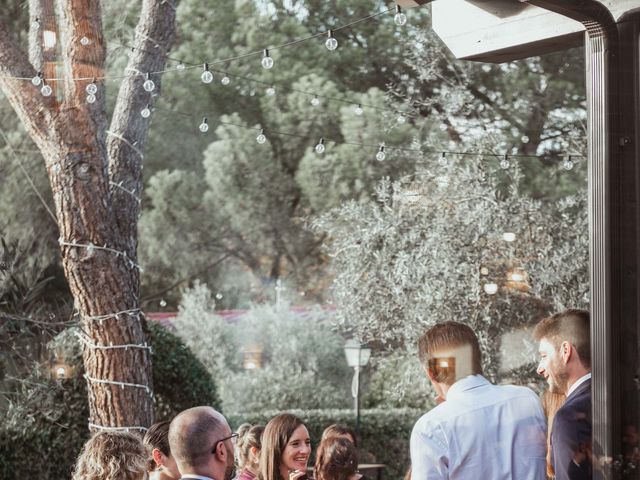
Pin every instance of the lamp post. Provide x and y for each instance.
(357, 357)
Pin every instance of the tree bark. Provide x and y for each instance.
(71, 134)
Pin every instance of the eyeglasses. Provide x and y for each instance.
(233, 437)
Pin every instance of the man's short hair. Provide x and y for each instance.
(190, 436)
(449, 335)
(573, 326)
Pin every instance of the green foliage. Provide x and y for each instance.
(47, 419)
(303, 358)
(423, 253)
(385, 433)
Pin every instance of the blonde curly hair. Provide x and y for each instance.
(112, 456)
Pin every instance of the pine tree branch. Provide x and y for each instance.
(128, 131)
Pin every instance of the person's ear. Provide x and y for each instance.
(255, 454)
(158, 456)
(566, 350)
(430, 374)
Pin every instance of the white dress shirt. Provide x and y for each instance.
(481, 432)
(194, 476)
(578, 382)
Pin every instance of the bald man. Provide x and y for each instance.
(202, 444)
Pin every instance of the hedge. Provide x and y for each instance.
(384, 433)
(45, 446)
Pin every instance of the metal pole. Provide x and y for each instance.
(357, 401)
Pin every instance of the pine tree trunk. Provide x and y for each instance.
(95, 185)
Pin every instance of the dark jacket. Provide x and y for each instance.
(571, 436)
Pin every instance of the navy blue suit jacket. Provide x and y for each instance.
(571, 434)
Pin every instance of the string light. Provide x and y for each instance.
(401, 119)
(94, 346)
(271, 91)
(399, 18)
(358, 110)
(567, 163)
(133, 312)
(84, 41)
(207, 76)
(118, 384)
(145, 112)
(509, 237)
(91, 98)
(91, 88)
(267, 61)
(225, 80)
(380, 156)
(148, 84)
(204, 126)
(443, 161)
(37, 80)
(416, 150)
(116, 429)
(490, 288)
(504, 163)
(180, 67)
(46, 90)
(320, 148)
(91, 248)
(315, 101)
(331, 42)
(261, 138)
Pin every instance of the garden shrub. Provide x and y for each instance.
(45, 426)
(384, 433)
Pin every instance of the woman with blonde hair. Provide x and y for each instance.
(112, 456)
(248, 449)
(337, 459)
(286, 448)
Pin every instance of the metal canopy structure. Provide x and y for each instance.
(505, 30)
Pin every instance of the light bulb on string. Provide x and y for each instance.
(204, 126)
(399, 18)
(271, 91)
(315, 101)
(91, 88)
(443, 161)
(509, 237)
(380, 156)
(401, 119)
(207, 76)
(358, 110)
(225, 80)
(504, 163)
(145, 112)
(84, 41)
(180, 66)
(91, 98)
(320, 148)
(490, 288)
(567, 163)
(267, 61)
(331, 42)
(46, 90)
(37, 80)
(261, 138)
(148, 84)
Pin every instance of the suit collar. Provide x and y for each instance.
(580, 390)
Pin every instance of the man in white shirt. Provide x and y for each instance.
(479, 430)
(202, 444)
(565, 362)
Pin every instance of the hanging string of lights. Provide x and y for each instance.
(381, 148)
(266, 61)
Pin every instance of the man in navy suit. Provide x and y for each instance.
(565, 351)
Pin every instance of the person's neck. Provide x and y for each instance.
(575, 376)
(199, 472)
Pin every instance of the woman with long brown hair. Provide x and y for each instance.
(286, 448)
(337, 459)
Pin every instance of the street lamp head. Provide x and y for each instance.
(357, 354)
